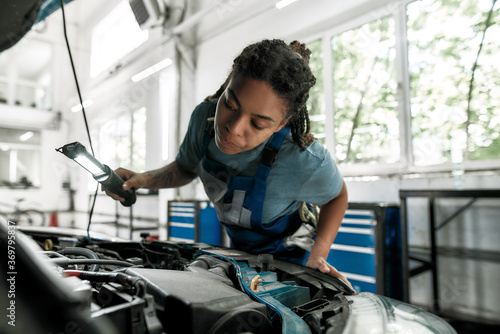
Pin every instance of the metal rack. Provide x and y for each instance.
(431, 262)
(117, 220)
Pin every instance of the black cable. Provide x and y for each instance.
(83, 110)
(91, 212)
(74, 75)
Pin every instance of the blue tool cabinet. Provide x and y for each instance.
(193, 221)
(367, 249)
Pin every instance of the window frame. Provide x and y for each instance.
(397, 10)
(96, 73)
(13, 148)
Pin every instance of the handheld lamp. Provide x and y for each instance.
(101, 173)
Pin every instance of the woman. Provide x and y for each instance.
(250, 145)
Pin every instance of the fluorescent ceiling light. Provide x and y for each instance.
(78, 107)
(25, 136)
(151, 70)
(284, 3)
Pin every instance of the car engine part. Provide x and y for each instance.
(119, 286)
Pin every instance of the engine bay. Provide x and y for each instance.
(167, 287)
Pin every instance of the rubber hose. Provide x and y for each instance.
(82, 252)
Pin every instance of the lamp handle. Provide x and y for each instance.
(114, 183)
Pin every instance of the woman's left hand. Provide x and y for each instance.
(318, 262)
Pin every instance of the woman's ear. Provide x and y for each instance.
(283, 123)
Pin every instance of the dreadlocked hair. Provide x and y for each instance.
(285, 69)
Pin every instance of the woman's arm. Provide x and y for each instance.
(330, 218)
(169, 176)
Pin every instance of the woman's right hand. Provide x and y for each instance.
(132, 180)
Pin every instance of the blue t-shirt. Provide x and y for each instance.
(298, 175)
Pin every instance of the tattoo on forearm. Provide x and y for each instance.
(161, 178)
(169, 176)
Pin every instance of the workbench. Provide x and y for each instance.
(430, 263)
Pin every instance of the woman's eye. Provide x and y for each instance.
(256, 126)
(228, 106)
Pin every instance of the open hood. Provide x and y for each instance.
(18, 16)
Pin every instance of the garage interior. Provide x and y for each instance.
(407, 102)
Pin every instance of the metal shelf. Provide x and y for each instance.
(428, 256)
(131, 218)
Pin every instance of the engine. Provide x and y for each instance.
(166, 287)
(61, 281)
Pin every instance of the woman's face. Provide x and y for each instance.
(248, 113)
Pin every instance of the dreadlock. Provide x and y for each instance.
(285, 68)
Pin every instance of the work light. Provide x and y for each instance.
(101, 173)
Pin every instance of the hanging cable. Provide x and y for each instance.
(83, 110)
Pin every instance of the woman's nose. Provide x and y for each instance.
(235, 125)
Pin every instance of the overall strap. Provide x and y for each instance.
(273, 146)
(270, 153)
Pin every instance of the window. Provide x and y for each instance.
(20, 156)
(429, 70)
(364, 90)
(122, 141)
(454, 76)
(26, 74)
(114, 37)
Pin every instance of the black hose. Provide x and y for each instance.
(124, 279)
(213, 265)
(206, 262)
(82, 252)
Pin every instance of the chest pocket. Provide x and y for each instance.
(229, 213)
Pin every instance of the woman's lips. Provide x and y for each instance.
(224, 141)
(227, 143)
